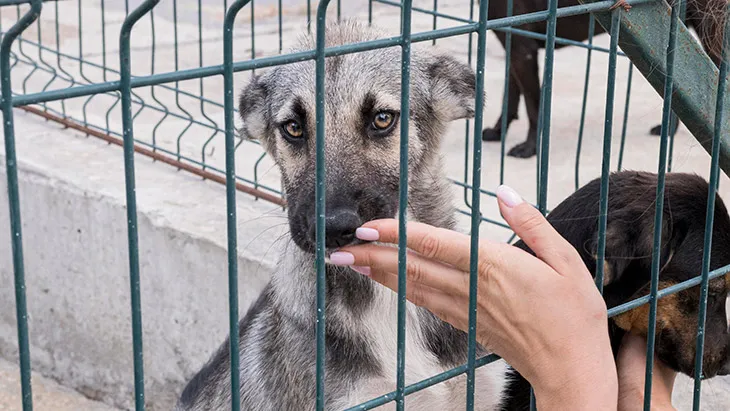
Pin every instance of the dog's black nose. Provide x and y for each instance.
(340, 226)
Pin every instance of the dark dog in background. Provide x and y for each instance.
(629, 242)
(524, 79)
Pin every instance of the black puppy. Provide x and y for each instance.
(524, 78)
(629, 242)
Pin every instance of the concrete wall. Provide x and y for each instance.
(75, 243)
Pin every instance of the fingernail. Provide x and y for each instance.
(508, 196)
(367, 234)
(342, 258)
(361, 269)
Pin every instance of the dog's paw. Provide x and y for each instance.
(491, 134)
(656, 130)
(523, 150)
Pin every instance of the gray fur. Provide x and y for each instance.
(277, 335)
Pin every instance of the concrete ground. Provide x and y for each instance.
(47, 394)
(72, 198)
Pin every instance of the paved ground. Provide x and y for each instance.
(47, 394)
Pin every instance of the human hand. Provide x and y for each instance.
(543, 314)
(631, 364)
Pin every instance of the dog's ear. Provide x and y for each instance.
(453, 87)
(255, 113)
(628, 243)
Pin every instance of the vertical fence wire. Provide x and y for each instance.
(606, 163)
(543, 140)
(467, 127)
(319, 193)
(586, 82)
(230, 147)
(476, 197)
(659, 204)
(125, 90)
(547, 94)
(710, 217)
(674, 122)
(622, 147)
(505, 100)
(11, 167)
(405, 108)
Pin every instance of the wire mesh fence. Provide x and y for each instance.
(159, 79)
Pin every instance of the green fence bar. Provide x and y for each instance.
(319, 194)
(405, 109)
(546, 106)
(230, 19)
(11, 167)
(505, 99)
(606, 164)
(129, 180)
(710, 218)
(581, 125)
(626, 117)
(475, 200)
(659, 205)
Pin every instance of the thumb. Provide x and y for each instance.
(537, 233)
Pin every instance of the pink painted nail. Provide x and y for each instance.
(367, 234)
(342, 258)
(509, 197)
(361, 269)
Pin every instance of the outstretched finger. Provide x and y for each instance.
(419, 270)
(532, 227)
(440, 244)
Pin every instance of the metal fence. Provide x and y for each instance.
(94, 91)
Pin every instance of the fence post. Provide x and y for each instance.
(11, 166)
(231, 202)
(319, 193)
(710, 217)
(125, 89)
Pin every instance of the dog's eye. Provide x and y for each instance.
(383, 120)
(292, 130)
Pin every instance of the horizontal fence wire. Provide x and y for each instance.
(84, 76)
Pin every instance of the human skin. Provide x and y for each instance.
(523, 302)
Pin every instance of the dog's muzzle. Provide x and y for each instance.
(340, 226)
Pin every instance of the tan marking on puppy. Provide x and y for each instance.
(668, 314)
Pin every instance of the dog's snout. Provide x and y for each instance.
(340, 226)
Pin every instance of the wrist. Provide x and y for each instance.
(587, 383)
(631, 396)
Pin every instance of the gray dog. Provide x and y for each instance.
(277, 335)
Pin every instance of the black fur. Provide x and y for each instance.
(628, 258)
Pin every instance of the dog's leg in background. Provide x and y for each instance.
(513, 104)
(525, 70)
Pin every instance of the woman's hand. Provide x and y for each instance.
(543, 315)
(631, 363)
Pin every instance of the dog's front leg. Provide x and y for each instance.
(525, 71)
(513, 104)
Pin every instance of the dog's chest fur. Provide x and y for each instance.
(380, 324)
